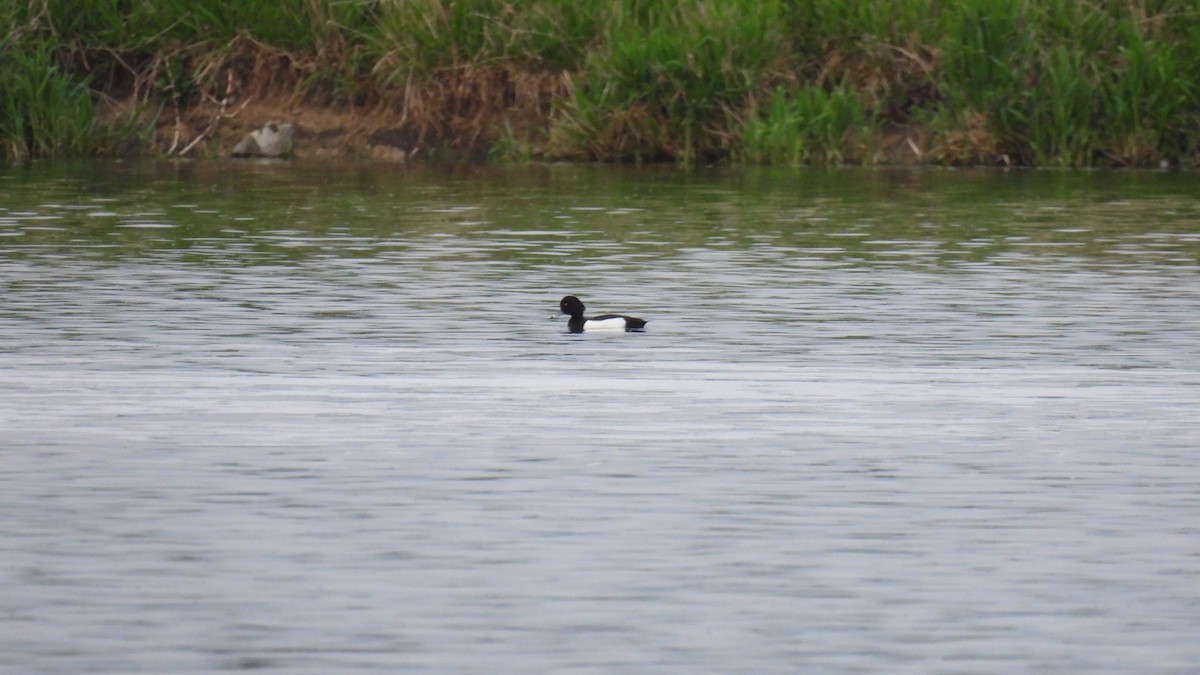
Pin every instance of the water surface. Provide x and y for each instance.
(320, 419)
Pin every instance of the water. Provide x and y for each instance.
(319, 419)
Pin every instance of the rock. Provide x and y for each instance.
(386, 153)
(273, 140)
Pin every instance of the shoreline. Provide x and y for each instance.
(978, 83)
(379, 134)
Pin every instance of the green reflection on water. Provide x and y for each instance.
(254, 213)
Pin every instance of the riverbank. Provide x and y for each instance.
(381, 132)
(992, 82)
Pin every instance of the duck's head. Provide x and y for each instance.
(571, 305)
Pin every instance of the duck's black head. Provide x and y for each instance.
(571, 305)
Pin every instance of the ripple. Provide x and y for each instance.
(357, 442)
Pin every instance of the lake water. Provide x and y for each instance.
(320, 419)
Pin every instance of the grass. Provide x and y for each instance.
(44, 111)
(669, 83)
(425, 37)
(1064, 83)
(811, 126)
(1049, 82)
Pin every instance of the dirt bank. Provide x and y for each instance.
(211, 131)
(460, 114)
(386, 132)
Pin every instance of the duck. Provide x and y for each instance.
(578, 323)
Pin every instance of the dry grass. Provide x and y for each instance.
(1069, 83)
(464, 110)
(458, 112)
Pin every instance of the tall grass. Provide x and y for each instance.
(1154, 95)
(668, 79)
(810, 126)
(424, 36)
(44, 109)
(1065, 82)
(1041, 82)
(154, 24)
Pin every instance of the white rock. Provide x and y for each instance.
(273, 140)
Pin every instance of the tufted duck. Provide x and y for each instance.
(578, 324)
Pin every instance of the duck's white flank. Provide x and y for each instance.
(617, 323)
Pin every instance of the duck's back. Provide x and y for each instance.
(609, 322)
(614, 322)
(632, 323)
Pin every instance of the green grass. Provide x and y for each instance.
(424, 36)
(132, 25)
(1063, 83)
(44, 111)
(1049, 82)
(810, 126)
(670, 81)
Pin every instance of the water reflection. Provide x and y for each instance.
(525, 214)
(316, 418)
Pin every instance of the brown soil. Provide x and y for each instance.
(454, 113)
(320, 132)
(382, 133)
(460, 113)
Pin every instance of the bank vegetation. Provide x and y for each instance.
(1073, 83)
